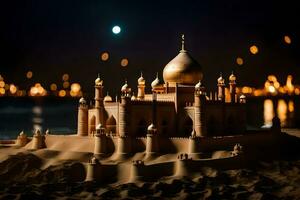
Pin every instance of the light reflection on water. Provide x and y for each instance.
(284, 111)
(37, 119)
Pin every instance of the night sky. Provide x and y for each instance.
(55, 37)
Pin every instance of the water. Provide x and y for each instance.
(28, 114)
(59, 115)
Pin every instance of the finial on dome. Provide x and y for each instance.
(182, 43)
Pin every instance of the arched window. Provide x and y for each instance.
(111, 124)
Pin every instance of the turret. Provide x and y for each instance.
(93, 170)
(199, 118)
(141, 87)
(124, 110)
(82, 123)
(21, 139)
(38, 140)
(100, 141)
(99, 100)
(232, 88)
(193, 148)
(152, 141)
(221, 88)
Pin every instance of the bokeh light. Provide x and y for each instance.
(29, 74)
(65, 77)
(66, 84)
(287, 39)
(53, 87)
(124, 62)
(239, 61)
(62, 93)
(12, 89)
(253, 49)
(104, 56)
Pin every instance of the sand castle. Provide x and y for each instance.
(179, 118)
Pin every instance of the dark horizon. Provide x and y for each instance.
(51, 38)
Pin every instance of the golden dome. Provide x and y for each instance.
(157, 82)
(141, 80)
(232, 77)
(183, 69)
(133, 97)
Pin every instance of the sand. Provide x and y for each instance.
(51, 174)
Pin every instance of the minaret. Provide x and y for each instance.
(232, 87)
(82, 123)
(199, 118)
(221, 88)
(124, 110)
(99, 100)
(141, 87)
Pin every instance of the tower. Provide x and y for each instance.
(124, 110)
(99, 100)
(141, 87)
(100, 141)
(221, 88)
(232, 88)
(199, 115)
(38, 140)
(82, 123)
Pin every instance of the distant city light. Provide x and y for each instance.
(124, 62)
(104, 56)
(254, 49)
(287, 39)
(53, 87)
(12, 89)
(116, 29)
(62, 93)
(2, 91)
(239, 61)
(65, 77)
(75, 87)
(66, 84)
(29, 74)
(2, 84)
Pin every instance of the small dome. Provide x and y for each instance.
(47, 132)
(242, 97)
(141, 80)
(232, 77)
(82, 100)
(98, 81)
(151, 127)
(221, 80)
(157, 82)
(133, 97)
(125, 88)
(107, 98)
(198, 85)
(99, 126)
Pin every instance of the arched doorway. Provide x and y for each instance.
(111, 125)
(211, 126)
(230, 125)
(164, 127)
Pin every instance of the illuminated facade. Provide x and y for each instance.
(177, 106)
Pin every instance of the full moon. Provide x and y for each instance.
(116, 29)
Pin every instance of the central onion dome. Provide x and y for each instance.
(183, 69)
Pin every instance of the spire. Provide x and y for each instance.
(182, 43)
